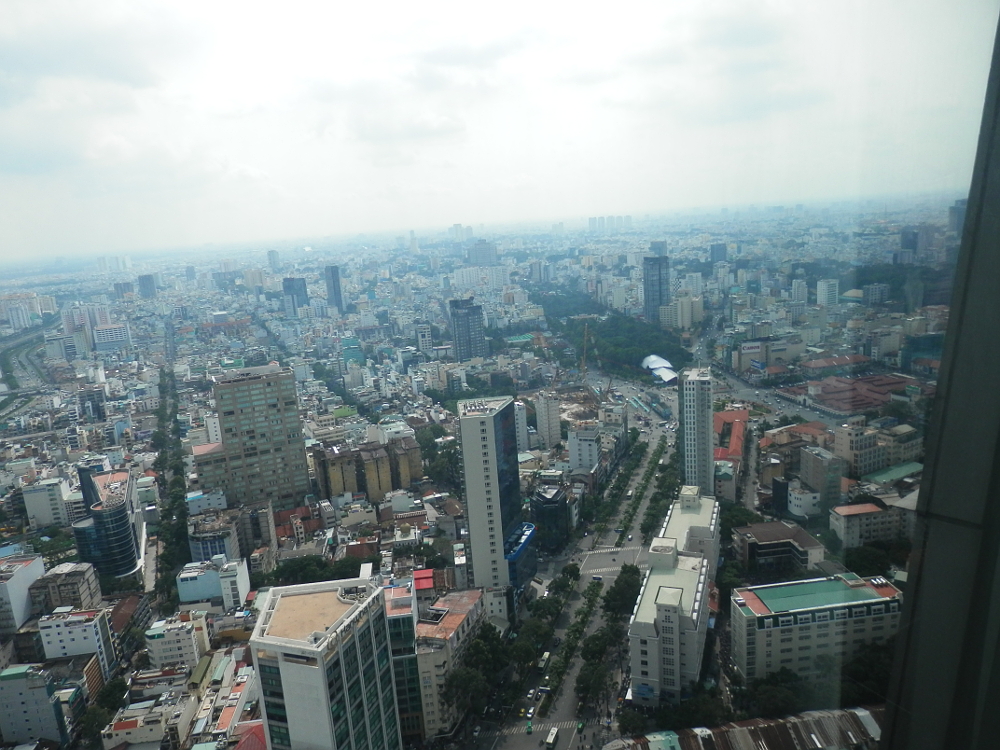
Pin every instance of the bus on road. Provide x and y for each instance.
(543, 663)
(550, 741)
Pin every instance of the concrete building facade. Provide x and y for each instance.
(698, 422)
(262, 453)
(322, 653)
(789, 625)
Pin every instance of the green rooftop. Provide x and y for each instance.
(893, 473)
(12, 673)
(812, 595)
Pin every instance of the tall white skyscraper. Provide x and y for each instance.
(547, 412)
(800, 290)
(827, 292)
(697, 418)
(503, 556)
(521, 426)
(322, 653)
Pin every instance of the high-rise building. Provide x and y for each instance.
(800, 290)
(655, 286)
(422, 333)
(502, 549)
(322, 653)
(273, 260)
(147, 286)
(483, 253)
(45, 502)
(822, 471)
(718, 252)
(334, 295)
(295, 296)
(548, 418)
(262, 453)
(467, 329)
(670, 622)
(521, 425)
(112, 536)
(190, 274)
(827, 292)
(697, 420)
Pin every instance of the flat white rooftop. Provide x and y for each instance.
(297, 616)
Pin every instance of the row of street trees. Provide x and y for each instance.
(607, 646)
(169, 466)
(640, 491)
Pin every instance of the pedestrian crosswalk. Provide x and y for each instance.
(521, 727)
(614, 569)
(612, 550)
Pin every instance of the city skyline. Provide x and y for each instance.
(166, 127)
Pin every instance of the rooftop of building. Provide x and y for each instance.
(483, 407)
(894, 473)
(453, 608)
(398, 600)
(778, 531)
(296, 613)
(690, 509)
(250, 373)
(675, 586)
(68, 615)
(858, 509)
(205, 448)
(815, 593)
(68, 568)
(112, 486)
(11, 566)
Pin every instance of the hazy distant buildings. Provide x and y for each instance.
(147, 286)
(718, 252)
(295, 296)
(483, 253)
(273, 260)
(467, 329)
(827, 292)
(422, 334)
(655, 286)
(334, 295)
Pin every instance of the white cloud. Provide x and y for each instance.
(192, 122)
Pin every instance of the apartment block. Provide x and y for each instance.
(177, 640)
(68, 632)
(45, 502)
(323, 657)
(441, 635)
(31, 710)
(73, 585)
(859, 446)
(262, 453)
(889, 519)
(789, 625)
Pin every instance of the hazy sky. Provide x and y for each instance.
(139, 124)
